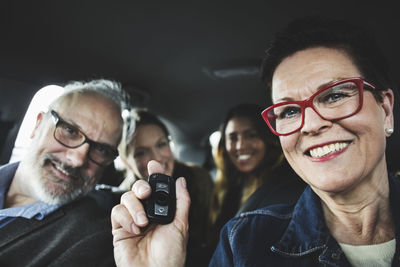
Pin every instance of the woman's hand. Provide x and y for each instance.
(138, 243)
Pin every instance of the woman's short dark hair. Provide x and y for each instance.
(359, 44)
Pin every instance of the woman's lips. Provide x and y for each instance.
(327, 151)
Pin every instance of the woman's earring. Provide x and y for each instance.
(389, 131)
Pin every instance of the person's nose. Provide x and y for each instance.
(155, 155)
(240, 143)
(78, 156)
(313, 123)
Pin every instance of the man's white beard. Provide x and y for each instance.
(41, 191)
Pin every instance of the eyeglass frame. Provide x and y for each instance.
(58, 120)
(359, 81)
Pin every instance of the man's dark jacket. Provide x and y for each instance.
(77, 234)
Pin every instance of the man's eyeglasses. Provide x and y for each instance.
(71, 137)
(335, 101)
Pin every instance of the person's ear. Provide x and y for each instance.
(39, 119)
(388, 104)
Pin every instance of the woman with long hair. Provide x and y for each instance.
(248, 157)
(147, 138)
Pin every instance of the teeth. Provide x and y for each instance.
(243, 157)
(62, 170)
(322, 151)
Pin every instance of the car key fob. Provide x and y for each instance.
(161, 205)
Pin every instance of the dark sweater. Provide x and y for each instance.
(77, 234)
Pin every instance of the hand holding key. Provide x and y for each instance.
(138, 243)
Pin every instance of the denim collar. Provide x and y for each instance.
(307, 231)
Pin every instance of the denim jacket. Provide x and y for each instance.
(290, 235)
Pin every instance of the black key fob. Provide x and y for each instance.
(161, 205)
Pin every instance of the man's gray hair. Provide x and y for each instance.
(107, 88)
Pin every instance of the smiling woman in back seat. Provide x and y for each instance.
(248, 157)
(147, 138)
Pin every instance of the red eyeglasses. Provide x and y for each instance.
(338, 100)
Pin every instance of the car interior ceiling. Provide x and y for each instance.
(188, 62)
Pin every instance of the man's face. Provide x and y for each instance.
(59, 174)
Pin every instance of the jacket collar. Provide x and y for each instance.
(307, 231)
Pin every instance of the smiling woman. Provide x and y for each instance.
(145, 138)
(248, 157)
(333, 111)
